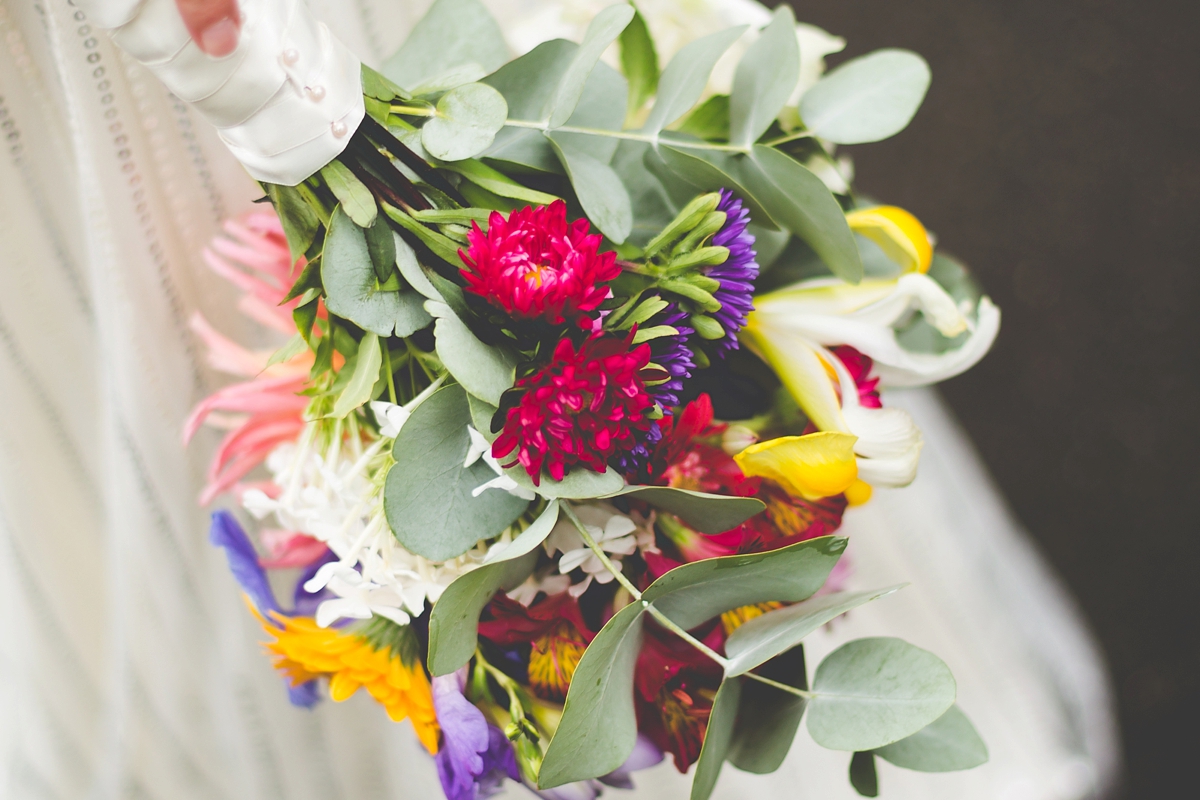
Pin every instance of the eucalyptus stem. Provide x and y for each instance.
(791, 137)
(387, 365)
(662, 618)
(633, 136)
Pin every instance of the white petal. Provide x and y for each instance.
(920, 369)
(573, 559)
(883, 432)
(331, 611)
(394, 614)
(477, 448)
(579, 588)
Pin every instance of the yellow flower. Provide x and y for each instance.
(813, 466)
(303, 651)
(898, 233)
(732, 620)
(553, 659)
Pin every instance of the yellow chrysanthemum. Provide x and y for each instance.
(732, 620)
(302, 650)
(553, 659)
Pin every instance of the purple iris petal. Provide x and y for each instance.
(475, 757)
(306, 602)
(226, 533)
(306, 695)
(645, 754)
(737, 274)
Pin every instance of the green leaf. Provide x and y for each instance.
(455, 616)
(710, 120)
(450, 79)
(300, 222)
(355, 198)
(481, 416)
(871, 692)
(362, 380)
(350, 284)
(497, 182)
(467, 120)
(948, 744)
(768, 717)
(867, 98)
(294, 347)
(775, 632)
(381, 245)
(697, 592)
(639, 62)
(764, 80)
(717, 737)
(580, 484)
(599, 189)
(410, 269)
(452, 33)
(863, 777)
(599, 725)
(604, 28)
(707, 513)
(708, 171)
(427, 497)
(379, 88)
(441, 246)
(800, 202)
(486, 372)
(684, 79)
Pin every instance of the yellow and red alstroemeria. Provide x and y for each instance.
(796, 329)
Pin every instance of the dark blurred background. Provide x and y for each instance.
(1056, 155)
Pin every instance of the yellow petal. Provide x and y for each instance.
(858, 493)
(799, 367)
(342, 686)
(813, 466)
(901, 235)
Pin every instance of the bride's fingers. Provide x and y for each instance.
(213, 24)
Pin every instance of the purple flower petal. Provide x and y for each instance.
(464, 739)
(737, 274)
(226, 533)
(306, 695)
(645, 754)
(306, 602)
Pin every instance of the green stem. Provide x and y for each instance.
(633, 136)
(387, 364)
(781, 686)
(789, 138)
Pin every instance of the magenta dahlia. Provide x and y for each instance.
(536, 265)
(582, 409)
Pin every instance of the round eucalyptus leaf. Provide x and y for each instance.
(484, 371)
(868, 98)
(467, 120)
(948, 744)
(871, 692)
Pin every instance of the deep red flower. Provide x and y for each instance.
(859, 367)
(581, 409)
(537, 266)
(555, 629)
(675, 687)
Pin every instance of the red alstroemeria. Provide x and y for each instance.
(859, 367)
(581, 409)
(536, 265)
(675, 687)
(556, 631)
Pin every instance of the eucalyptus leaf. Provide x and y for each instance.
(579, 484)
(441, 246)
(800, 202)
(867, 98)
(355, 198)
(362, 380)
(452, 33)
(498, 183)
(381, 246)
(768, 717)
(863, 776)
(350, 284)
(598, 729)
(639, 62)
(684, 79)
(707, 513)
(709, 120)
(709, 171)
(718, 735)
(948, 744)
(428, 494)
(481, 416)
(764, 80)
(651, 202)
(377, 87)
(775, 632)
(455, 616)
(697, 592)
(300, 222)
(871, 692)
(484, 371)
(604, 28)
(467, 120)
(600, 191)
(451, 78)
(410, 269)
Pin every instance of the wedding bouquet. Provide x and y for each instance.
(582, 377)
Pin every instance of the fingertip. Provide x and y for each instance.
(219, 39)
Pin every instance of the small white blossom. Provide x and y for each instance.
(481, 448)
(614, 532)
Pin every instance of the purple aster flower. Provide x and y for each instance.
(672, 354)
(737, 274)
(475, 756)
(227, 533)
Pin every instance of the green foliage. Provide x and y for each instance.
(768, 718)
(467, 120)
(717, 738)
(581, 484)
(868, 98)
(453, 621)
(871, 692)
(427, 496)
(498, 183)
(684, 79)
(764, 80)
(355, 198)
(599, 189)
(364, 373)
(947, 744)
(707, 513)
(710, 119)
(486, 372)
(603, 30)
(863, 776)
(452, 33)
(639, 63)
(300, 222)
(599, 725)
(778, 631)
(697, 592)
(351, 283)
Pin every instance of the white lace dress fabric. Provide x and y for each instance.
(129, 667)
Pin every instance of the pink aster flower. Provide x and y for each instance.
(582, 409)
(537, 266)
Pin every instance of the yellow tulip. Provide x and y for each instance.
(898, 233)
(813, 466)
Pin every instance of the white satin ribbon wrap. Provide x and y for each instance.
(286, 101)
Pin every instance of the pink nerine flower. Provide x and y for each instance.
(537, 266)
(581, 409)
